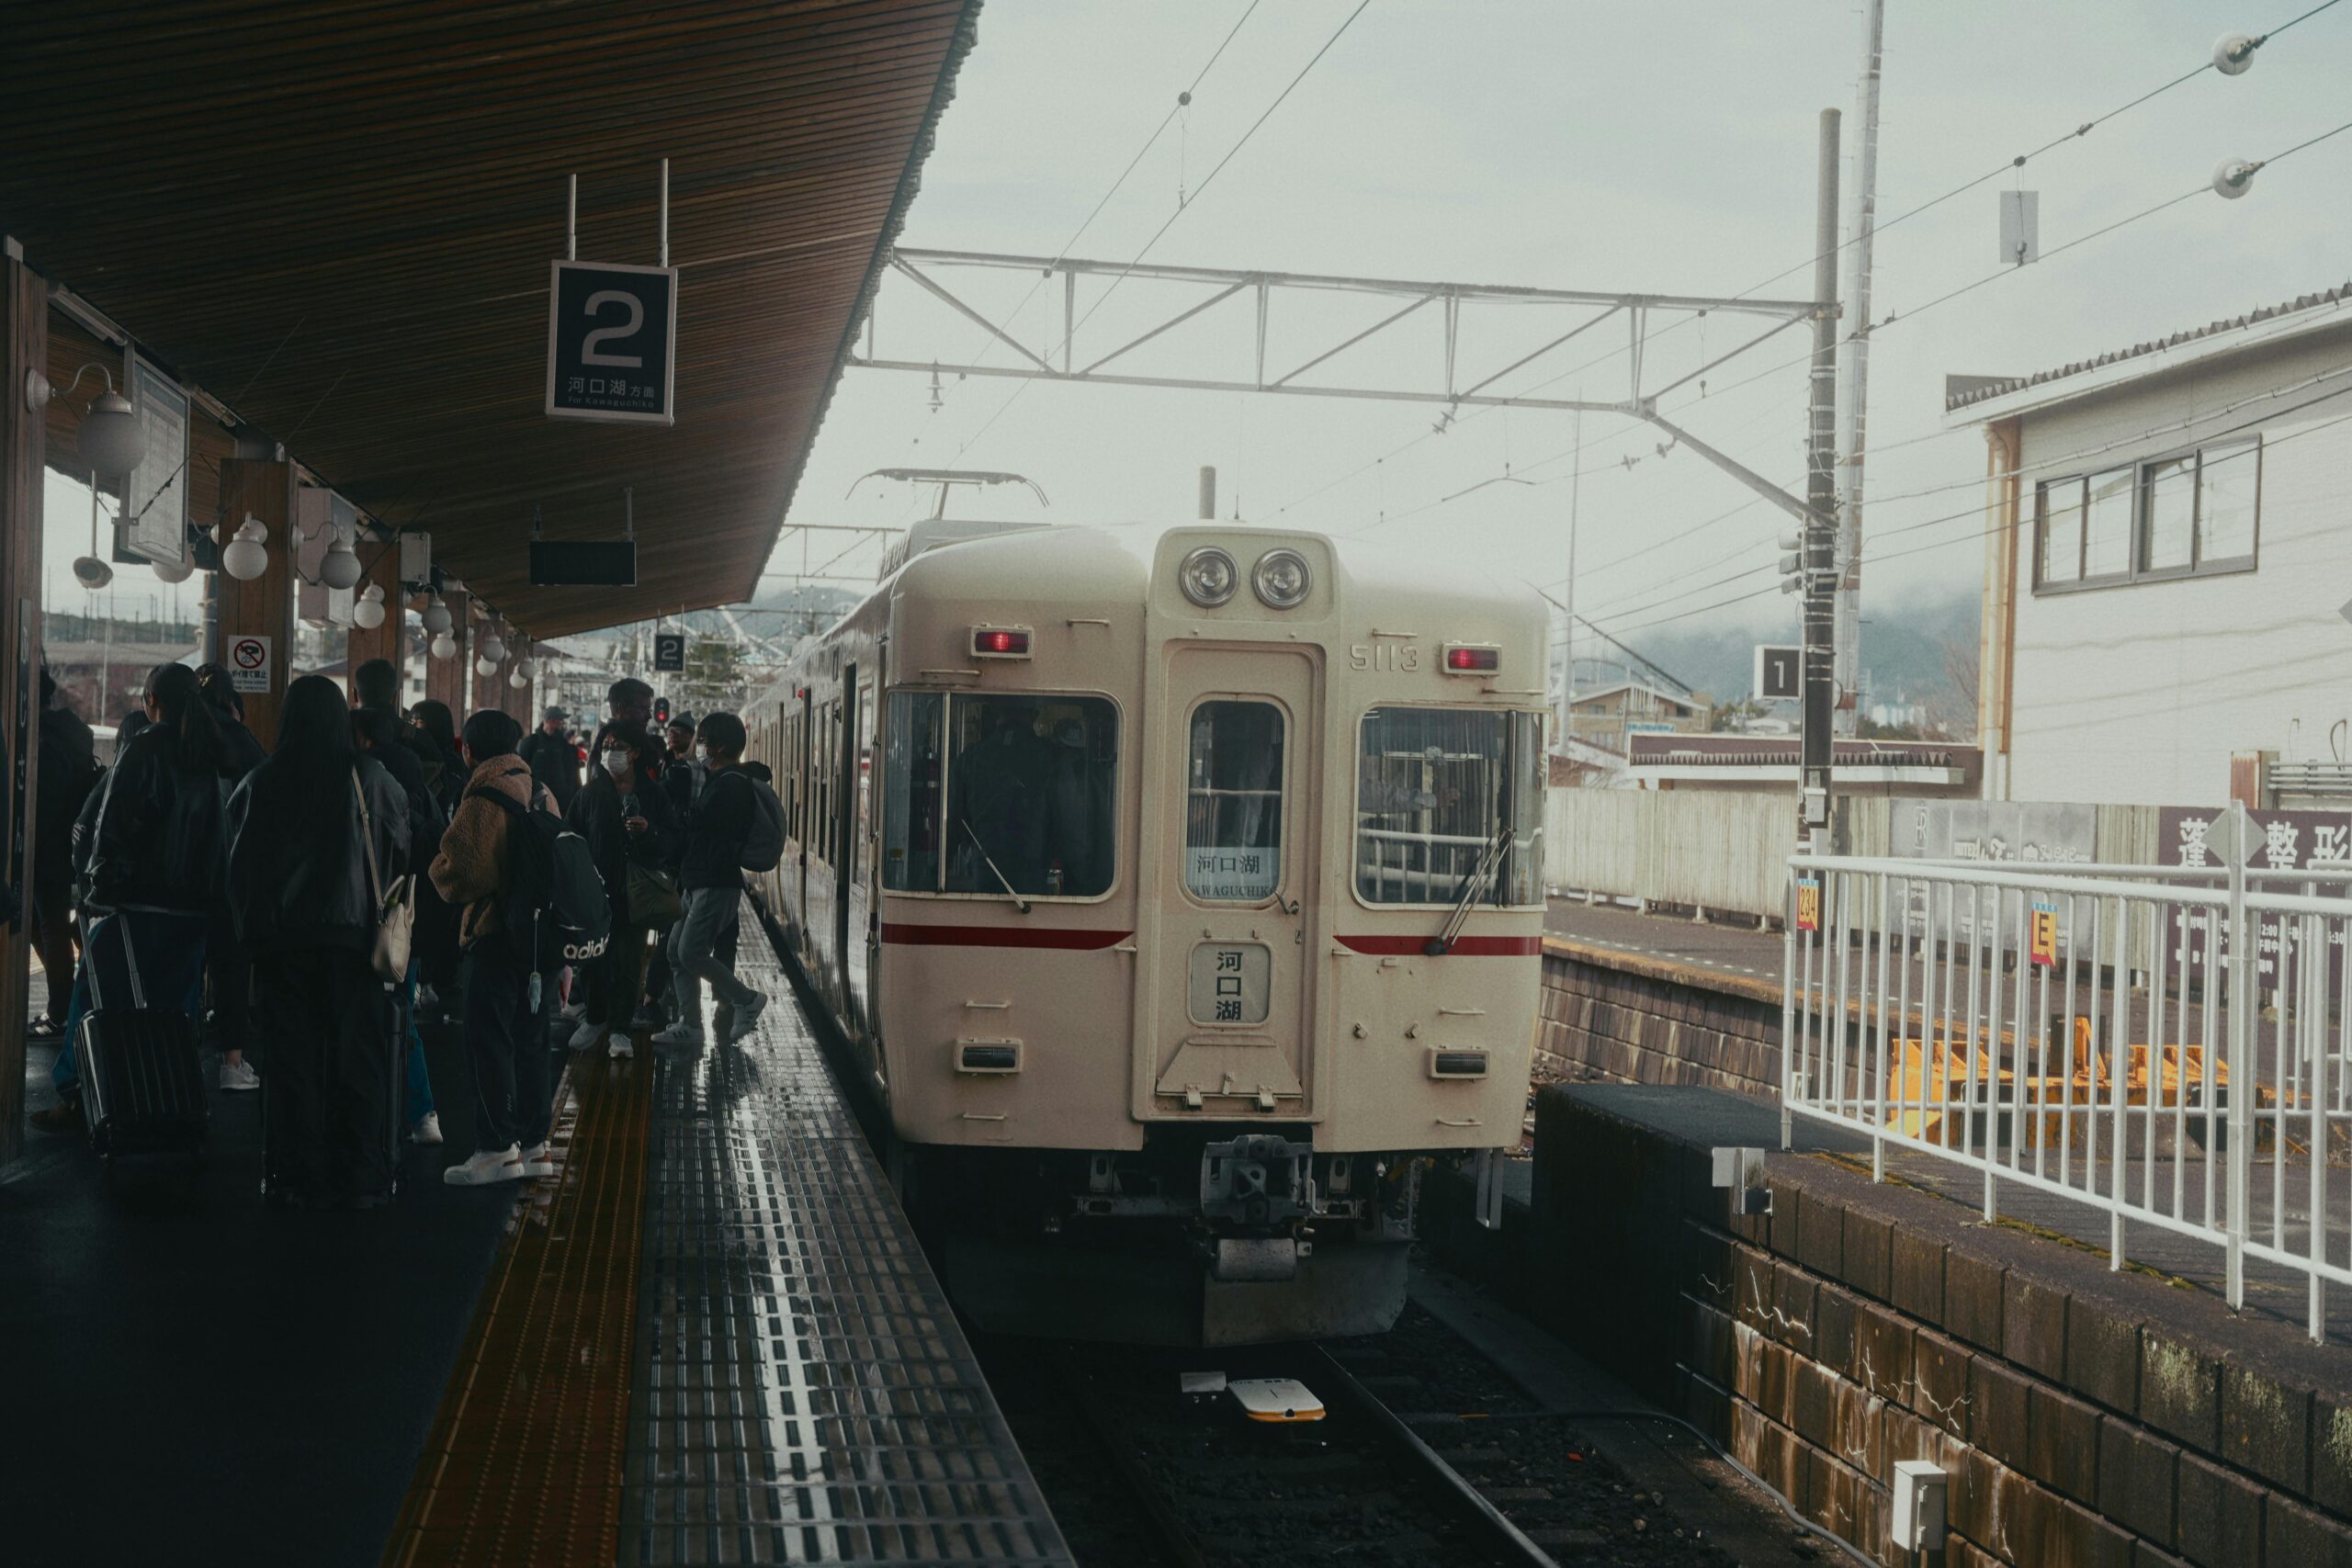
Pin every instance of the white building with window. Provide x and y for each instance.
(2168, 539)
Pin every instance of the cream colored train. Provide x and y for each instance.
(1179, 896)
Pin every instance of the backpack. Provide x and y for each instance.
(763, 840)
(556, 911)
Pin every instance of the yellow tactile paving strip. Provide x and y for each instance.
(524, 1464)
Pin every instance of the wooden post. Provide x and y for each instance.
(24, 315)
(445, 679)
(263, 607)
(383, 568)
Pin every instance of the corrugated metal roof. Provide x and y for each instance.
(1961, 391)
(337, 217)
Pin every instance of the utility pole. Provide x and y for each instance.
(1853, 390)
(1821, 500)
(1568, 652)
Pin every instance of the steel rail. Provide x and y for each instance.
(1472, 1504)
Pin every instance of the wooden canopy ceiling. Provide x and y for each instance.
(336, 216)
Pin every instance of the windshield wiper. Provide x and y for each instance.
(1482, 876)
(1018, 901)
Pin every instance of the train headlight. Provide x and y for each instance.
(1281, 579)
(1208, 577)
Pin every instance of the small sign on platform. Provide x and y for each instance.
(2041, 944)
(669, 653)
(249, 663)
(1808, 903)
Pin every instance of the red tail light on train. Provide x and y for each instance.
(1462, 659)
(1000, 642)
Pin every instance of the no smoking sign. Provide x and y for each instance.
(249, 663)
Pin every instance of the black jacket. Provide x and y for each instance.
(554, 763)
(156, 841)
(245, 753)
(287, 893)
(426, 817)
(69, 777)
(596, 815)
(721, 822)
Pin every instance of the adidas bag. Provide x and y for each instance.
(556, 911)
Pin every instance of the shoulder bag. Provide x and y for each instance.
(395, 908)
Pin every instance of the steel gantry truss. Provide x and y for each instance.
(1448, 383)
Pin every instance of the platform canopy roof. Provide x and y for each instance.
(336, 218)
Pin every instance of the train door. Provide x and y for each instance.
(1236, 982)
(845, 838)
(800, 739)
(858, 928)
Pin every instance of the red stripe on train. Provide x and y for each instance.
(1063, 937)
(1463, 946)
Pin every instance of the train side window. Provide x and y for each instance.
(912, 791)
(1233, 802)
(1436, 788)
(982, 793)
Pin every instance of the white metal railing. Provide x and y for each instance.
(2177, 1055)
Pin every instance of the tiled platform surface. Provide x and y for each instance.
(802, 1392)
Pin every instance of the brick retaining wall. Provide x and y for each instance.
(2086, 1417)
(1624, 1018)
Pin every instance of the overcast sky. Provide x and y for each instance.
(1658, 148)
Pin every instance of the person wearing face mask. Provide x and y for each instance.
(633, 833)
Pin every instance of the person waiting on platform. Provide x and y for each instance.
(155, 863)
(632, 833)
(504, 1031)
(314, 833)
(226, 958)
(682, 778)
(69, 777)
(702, 944)
(554, 760)
(378, 733)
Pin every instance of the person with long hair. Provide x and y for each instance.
(226, 958)
(633, 834)
(154, 864)
(314, 833)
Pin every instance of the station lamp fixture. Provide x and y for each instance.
(110, 440)
(436, 619)
(493, 647)
(443, 645)
(520, 676)
(367, 610)
(339, 567)
(244, 557)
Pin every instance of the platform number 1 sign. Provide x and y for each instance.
(612, 341)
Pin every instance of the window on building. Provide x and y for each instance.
(2181, 516)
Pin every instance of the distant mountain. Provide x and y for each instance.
(1903, 650)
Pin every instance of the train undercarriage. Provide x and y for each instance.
(1206, 1236)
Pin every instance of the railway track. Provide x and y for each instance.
(1411, 1465)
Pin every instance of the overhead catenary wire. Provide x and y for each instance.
(1198, 191)
(2006, 167)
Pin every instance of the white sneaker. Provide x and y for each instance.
(679, 1035)
(239, 1075)
(427, 1129)
(747, 1018)
(585, 1035)
(536, 1161)
(487, 1167)
(620, 1046)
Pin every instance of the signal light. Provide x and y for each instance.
(1000, 642)
(1462, 659)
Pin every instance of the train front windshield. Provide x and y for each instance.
(1449, 800)
(997, 792)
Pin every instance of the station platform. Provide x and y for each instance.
(709, 1338)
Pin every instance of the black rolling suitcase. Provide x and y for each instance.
(142, 1082)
